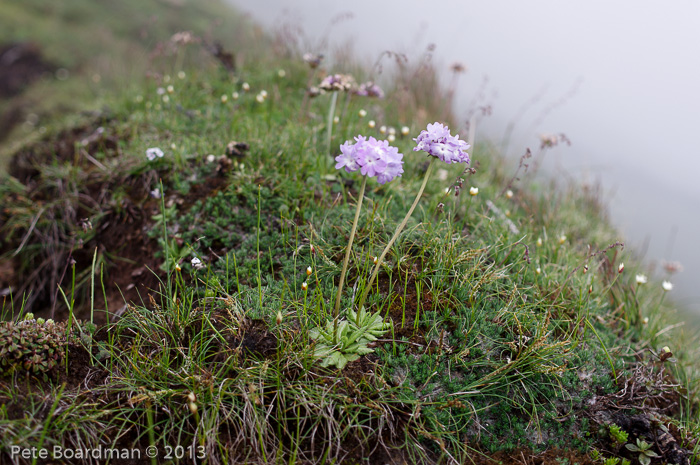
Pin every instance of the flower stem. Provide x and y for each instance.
(336, 310)
(331, 114)
(396, 234)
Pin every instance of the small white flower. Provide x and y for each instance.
(155, 193)
(375, 260)
(641, 279)
(447, 190)
(181, 75)
(539, 242)
(621, 268)
(263, 93)
(362, 113)
(281, 73)
(259, 98)
(473, 191)
(391, 130)
(336, 119)
(391, 138)
(509, 194)
(309, 270)
(405, 130)
(166, 99)
(235, 95)
(645, 320)
(166, 78)
(245, 86)
(304, 286)
(196, 263)
(153, 153)
(538, 270)
(371, 123)
(382, 129)
(224, 98)
(211, 158)
(139, 98)
(562, 238)
(170, 89)
(667, 285)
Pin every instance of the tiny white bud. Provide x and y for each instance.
(235, 95)
(538, 270)
(405, 130)
(375, 260)
(562, 239)
(641, 279)
(371, 123)
(193, 408)
(382, 129)
(170, 89)
(621, 268)
(166, 99)
(473, 191)
(259, 98)
(509, 194)
(211, 158)
(224, 98)
(667, 285)
(362, 113)
(645, 320)
(391, 138)
(539, 242)
(309, 270)
(263, 93)
(245, 86)
(181, 75)
(336, 119)
(304, 286)
(279, 318)
(391, 130)
(281, 73)
(191, 397)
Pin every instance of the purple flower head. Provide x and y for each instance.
(374, 158)
(336, 82)
(369, 89)
(439, 143)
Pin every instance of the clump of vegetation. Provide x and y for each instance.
(35, 346)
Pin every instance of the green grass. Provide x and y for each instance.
(510, 329)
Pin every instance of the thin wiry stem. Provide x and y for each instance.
(396, 234)
(336, 310)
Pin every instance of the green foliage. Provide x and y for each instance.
(36, 346)
(644, 449)
(617, 434)
(338, 344)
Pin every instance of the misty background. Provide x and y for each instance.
(620, 79)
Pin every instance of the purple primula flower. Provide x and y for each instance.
(369, 89)
(374, 158)
(336, 82)
(439, 143)
(348, 156)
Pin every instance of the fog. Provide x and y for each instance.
(620, 78)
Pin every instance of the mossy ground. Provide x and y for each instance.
(513, 336)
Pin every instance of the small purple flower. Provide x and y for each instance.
(336, 82)
(439, 143)
(369, 89)
(153, 153)
(374, 158)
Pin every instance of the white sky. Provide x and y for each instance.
(633, 119)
